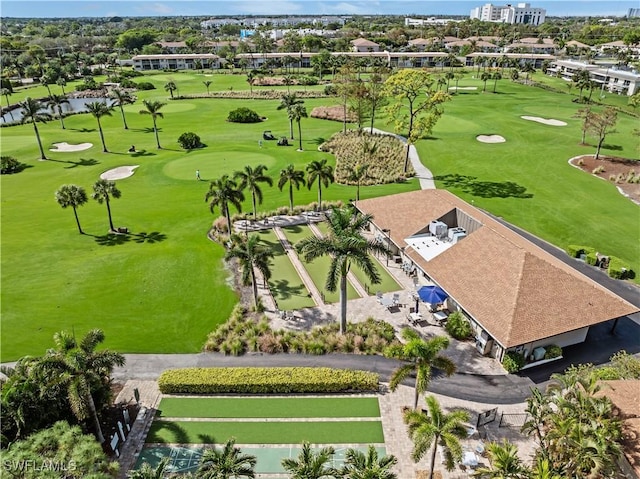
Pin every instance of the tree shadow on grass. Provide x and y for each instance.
(294, 229)
(153, 237)
(74, 164)
(285, 291)
(612, 147)
(484, 189)
(206, 439)
(178, 433)
(84, 130)
(111, 239)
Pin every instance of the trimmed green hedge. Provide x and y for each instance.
(576, 250)
(618, 269)
(513, 361)
(265, 380)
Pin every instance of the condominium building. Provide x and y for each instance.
(521, 13)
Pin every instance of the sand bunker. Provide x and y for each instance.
(66, 147)
(463, 88)
(118, 173)
(544, 121)
(490, 139)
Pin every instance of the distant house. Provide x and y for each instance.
(420, 44)
(172, 47)
(185, 61)
(533, 45)
(364, 45)
(612, 79)
(479, 46)
(534, 59)
(517, 296)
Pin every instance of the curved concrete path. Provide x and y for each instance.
(422, 172)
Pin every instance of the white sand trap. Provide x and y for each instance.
(118, 173)
(66, 147)
(545, 121)
(463, 88)
(490, 139)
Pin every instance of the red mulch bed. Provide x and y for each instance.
(613, 166)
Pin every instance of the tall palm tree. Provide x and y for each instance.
(251, 255)
(226, 463)
(250, 178)
(62, 82)
(103, 191)
(222, 192)
(55, 103)
(80, 369)
(433, 428)
(319, 170)
(505, 463)
(153, 109)
(297, 113)
(495, 77)
(170, 86)
(345, 244)
(294, 177)
(422, 357)
(356, 174)
(121, 98)
(74, 196)
(149, 472)
(207, 84)
(99, 109)
(310, 465)
(6, 93)
(484, 78)
(33, 111)
(358, 465)
(287, 101)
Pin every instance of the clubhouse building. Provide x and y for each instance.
(516, 296)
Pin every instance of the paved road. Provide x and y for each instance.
(503, 389)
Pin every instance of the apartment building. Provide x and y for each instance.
(521, 13)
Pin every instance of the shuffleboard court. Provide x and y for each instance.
(289, 407)
(267, 432)
(269, 459)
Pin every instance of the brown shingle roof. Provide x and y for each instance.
(363, 42)
(518, 292)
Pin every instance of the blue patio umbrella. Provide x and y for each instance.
(432, 294)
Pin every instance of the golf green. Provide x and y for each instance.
(214, 165)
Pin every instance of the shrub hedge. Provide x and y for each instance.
(576, 250)
(552, 351)
(243, 115)
(513, 361)
(265, 380)
(458, 326)
(618, 269)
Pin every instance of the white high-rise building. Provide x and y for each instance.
(521, 13)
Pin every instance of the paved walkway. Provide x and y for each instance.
(422, 172)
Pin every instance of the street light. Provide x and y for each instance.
(388, 232)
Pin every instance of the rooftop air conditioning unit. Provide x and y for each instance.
(438, 228)
(453, 231)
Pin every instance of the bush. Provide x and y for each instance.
(87, 84)
(618, 269)
(513, 361)
(189, 141)
(552, 351)
(243, 115)
(330, 90)
(283, 380)
(9, 165)
(145, 85)
(576, 250)
(458, 326)
(592, 259)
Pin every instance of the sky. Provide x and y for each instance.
(126, 8)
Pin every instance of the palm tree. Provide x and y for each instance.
(287, 101)
(62, 82)
(294, 177)
(310, 465)
(251, 255)
(149, 472)
(358, 465)
(32, 110)
(222, 192)
(505, 463)
(496, 76)
(226, 463)
(153, 109)
(297, 113)
(55, 103)
(345, 244)
(319, 170)
(103, 191)
(356, 174)
(6, 93)
(422, 357)
(99, 109)
(79, 368)
(74, 196)
(432, 428)
(207, 84)
(121, 98)
(485, 77)
(170, 86)
(251, 178)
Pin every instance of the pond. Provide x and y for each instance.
(76, 105)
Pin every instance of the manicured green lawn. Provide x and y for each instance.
(387, 283)
(286, 286)
(269, 407)
(333, 432)
(317, 268)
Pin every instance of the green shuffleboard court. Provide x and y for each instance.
(269, 459)
(266, 432)
(289, 407)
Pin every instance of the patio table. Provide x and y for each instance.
(415, 317)
(386, 302)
